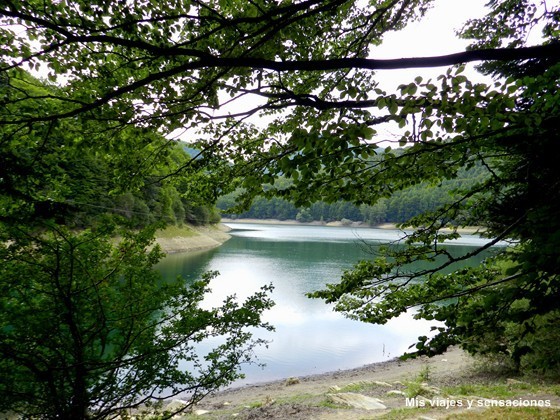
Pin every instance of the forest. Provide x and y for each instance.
(76, 183)
(400, 207)
(280, 100)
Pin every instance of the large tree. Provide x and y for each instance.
(88, 329)
(192, 65)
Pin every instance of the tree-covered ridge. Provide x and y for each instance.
(398, 208)
(75, 171)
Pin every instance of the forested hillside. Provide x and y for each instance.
(397, 208)
(70, 172)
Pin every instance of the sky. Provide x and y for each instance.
(433, 35)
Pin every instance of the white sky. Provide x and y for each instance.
(433, 35)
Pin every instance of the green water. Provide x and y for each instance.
(309, 338)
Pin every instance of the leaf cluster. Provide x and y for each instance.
(89, 329)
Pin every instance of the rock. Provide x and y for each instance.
(176, 405)
(429, 389)
(291, 381)
(200, 412)
(381, 383)
(356, 400)
(396, 392)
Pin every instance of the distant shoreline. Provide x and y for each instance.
(201, 238)
(468, 230)
(315, 223)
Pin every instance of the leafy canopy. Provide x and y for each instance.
(191, 65)
(88, 328)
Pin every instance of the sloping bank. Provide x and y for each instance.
(191, 238)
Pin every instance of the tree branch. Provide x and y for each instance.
(494, 54)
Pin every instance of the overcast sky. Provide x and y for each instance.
(435, 33)
(431, 36)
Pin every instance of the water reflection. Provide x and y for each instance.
(309, 337)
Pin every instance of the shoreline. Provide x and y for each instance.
(467, 230)
(292, 222)
(188, 238)
(391, 368)
(385, 376)
(392, 389)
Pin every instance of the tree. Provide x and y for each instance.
(184, 64)
(88, 329)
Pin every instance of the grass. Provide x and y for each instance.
(495, 389)
(499, 413)
(419, 386)
(404, 413)
(175, 231)
(503, 390)
(357, 387)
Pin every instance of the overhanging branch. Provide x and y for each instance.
(550, 51)
(497, 54)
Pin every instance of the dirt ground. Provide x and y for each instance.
(199, 238)
(308, 397)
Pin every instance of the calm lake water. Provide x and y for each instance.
(310, 338)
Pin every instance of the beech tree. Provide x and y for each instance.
(192, 65)
(88, 329)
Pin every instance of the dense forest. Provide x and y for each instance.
(60, 171)
(154, 201)
(397, 208)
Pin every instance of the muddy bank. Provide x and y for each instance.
(192, 238)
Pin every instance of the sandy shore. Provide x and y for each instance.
(463, 230)
(192, 238)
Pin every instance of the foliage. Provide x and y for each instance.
(124, 68)
(398, 208)
(75, 171)
(89, 329)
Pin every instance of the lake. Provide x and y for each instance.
(310, 338)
